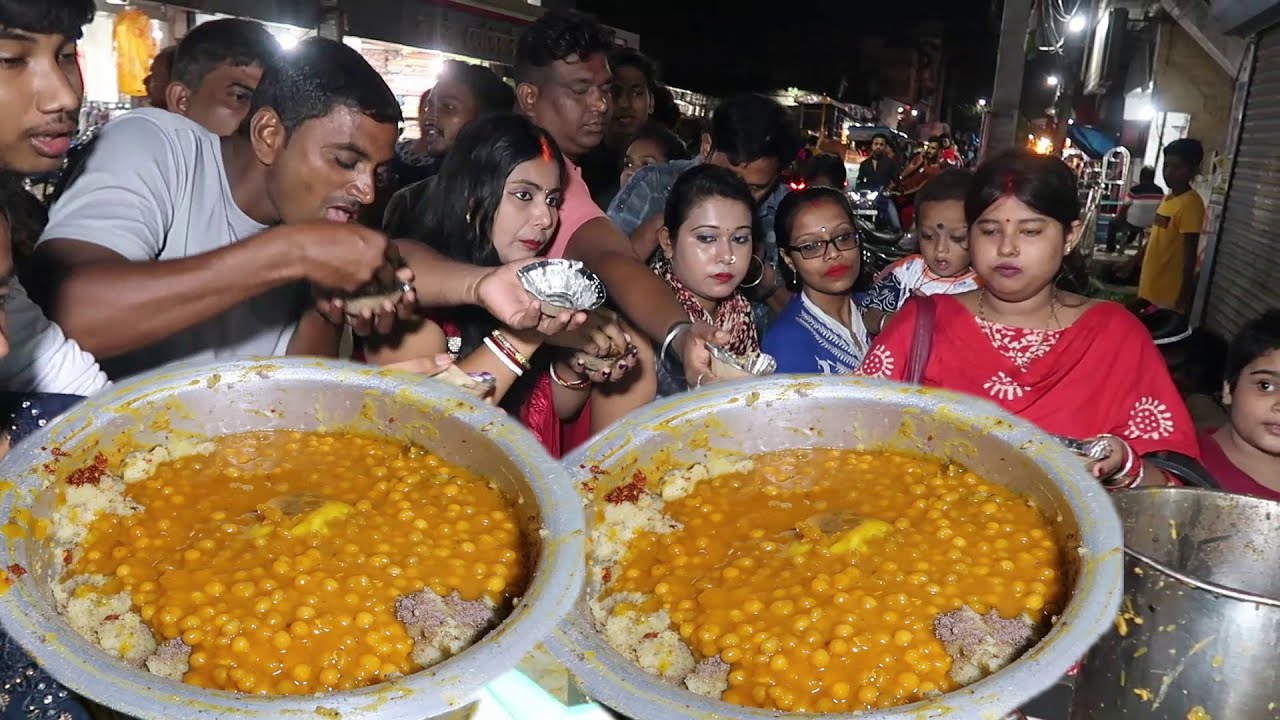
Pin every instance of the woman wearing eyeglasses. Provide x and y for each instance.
(820, 330)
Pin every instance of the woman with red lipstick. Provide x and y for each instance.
(1074, 366)
(705, 245)
(820, 330)
(495, 201)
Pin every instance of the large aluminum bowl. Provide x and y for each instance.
(300, 394)
(786, 412)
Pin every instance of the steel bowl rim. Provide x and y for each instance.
(93, 674)
(1097, 591)
(1190, 580)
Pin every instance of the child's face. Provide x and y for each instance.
(1255, 403)
(944, 237)
(712, 249)
(639, 154)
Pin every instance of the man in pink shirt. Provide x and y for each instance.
(564, 85)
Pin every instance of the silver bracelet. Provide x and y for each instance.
(1116, 481)
(671, 336)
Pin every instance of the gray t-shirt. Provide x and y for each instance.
(155, 189)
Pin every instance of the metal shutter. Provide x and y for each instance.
(1246, 271)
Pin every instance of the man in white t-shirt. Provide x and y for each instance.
(41, 99)
(175, 244)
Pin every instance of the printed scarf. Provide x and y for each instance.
(733, 314)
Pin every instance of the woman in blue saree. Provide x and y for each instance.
(820, 330)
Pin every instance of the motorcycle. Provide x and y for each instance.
(881, 249)
(866, 205)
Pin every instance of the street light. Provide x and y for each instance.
(915, 113)
(1076, 23)
(982, 102)
(901, 109)
(1051, 81)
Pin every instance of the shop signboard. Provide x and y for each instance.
(458, 29)
(473, 30)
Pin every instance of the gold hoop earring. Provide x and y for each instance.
(755, 282)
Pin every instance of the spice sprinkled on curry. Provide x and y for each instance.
(286, 562)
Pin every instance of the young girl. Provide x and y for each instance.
(652, 145)
(942, 265)
(706, 249)
(1074, 366)
(1244, 455)
(496, 201)
(820, 330)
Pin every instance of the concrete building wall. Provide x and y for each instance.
(1187, 80)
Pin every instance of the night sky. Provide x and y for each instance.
(723, 46)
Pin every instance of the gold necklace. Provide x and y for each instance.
(1053, 309)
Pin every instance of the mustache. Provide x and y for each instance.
(67, 123)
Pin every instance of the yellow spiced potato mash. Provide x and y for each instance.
(286, 562)
(822, 580)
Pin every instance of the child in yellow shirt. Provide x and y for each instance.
(1169, 259)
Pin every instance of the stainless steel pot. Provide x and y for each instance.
(299, 394)
(1199, 625)
(793, 412)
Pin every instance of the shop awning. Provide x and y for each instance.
(1091, 141)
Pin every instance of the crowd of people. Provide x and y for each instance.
(264, 188)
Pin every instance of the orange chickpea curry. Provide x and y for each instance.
(823, 580)
(286, 562)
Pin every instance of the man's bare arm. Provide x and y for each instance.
(647, 302)
(644, 241)
(642, 296)
(1191, 251)
(111, 305)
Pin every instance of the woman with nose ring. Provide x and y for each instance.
(1077, 367)
(705, 247)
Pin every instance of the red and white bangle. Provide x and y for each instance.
(510, 350)
(503, 358)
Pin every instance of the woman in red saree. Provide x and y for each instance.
(495, 202)
(1074, 366)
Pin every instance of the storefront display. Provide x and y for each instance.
(134, 48)
(117, 49)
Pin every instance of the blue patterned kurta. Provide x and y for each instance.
(803, 339)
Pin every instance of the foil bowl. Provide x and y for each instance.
(728, 366)
(562, 285)
(209, 400)
(802, 411)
